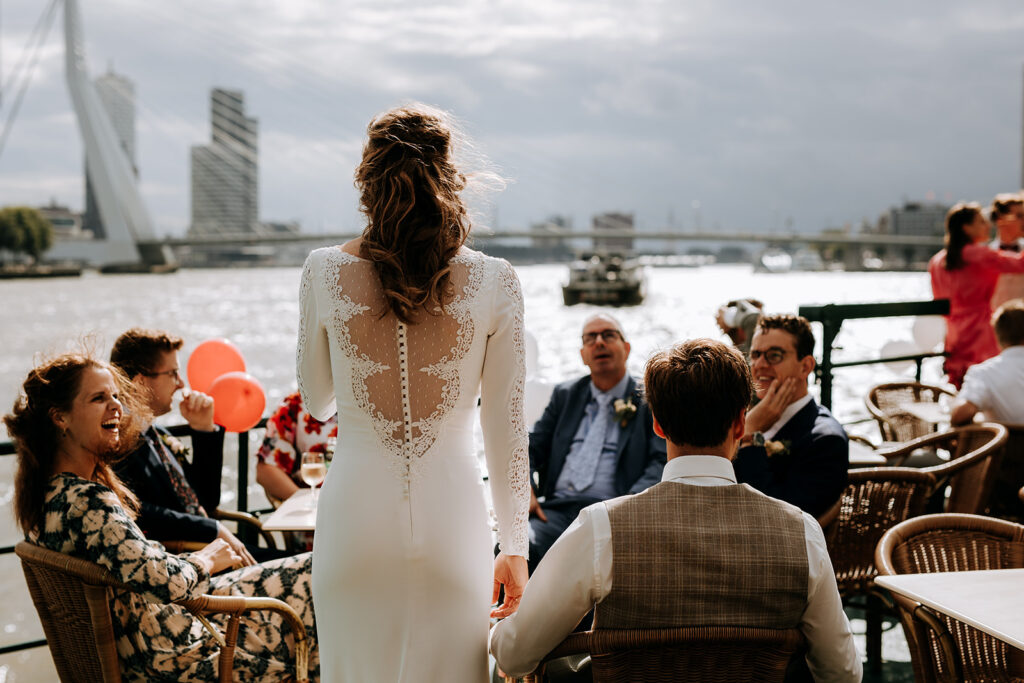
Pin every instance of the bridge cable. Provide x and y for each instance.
(29, 65)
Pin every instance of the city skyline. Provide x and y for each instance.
(725, 114)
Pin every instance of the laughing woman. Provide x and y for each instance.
(75, 415)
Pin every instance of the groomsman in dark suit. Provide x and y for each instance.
(792, 448)
(594, 441)
(177, 490)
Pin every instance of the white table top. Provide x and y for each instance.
(863, 456)
(990, 600)
(928, 411)
(295, 514)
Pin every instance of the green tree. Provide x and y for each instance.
(24, 229)
(11, 235)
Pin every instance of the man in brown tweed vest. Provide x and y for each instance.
(696, 549)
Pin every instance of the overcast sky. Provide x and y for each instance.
(745, 115)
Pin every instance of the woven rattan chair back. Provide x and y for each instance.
(72, 599)
(976, 453)
(875, 500)
(953, 543)
(709, 654)
(885, 403)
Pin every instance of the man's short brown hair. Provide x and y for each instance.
(796, 325)
(137, 351)
(696, 390)
(1008, 323)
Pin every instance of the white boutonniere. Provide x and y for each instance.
(776, 447)
(624, 410)
(176, 447)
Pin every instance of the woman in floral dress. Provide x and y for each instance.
(75, 415)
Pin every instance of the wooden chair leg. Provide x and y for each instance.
(873, 607)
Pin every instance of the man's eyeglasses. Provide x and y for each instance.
(772, 356)
(605, 335)
(175, 374)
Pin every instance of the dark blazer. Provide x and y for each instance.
(641, 453)
(161, 515)
(812, 475)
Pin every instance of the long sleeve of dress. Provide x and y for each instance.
(313, 352)
(98, 529)
(501, 414)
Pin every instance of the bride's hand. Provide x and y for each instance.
(510, 572)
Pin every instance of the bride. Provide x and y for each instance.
(403, 328)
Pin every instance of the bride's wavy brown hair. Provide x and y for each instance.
(410, 193)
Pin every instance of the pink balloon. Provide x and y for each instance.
(238, 401)
(210, 360)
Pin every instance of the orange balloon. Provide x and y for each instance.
(238, 401)
(210, 360)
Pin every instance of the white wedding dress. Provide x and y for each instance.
(403, 554)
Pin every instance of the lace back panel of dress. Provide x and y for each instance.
(405, 377)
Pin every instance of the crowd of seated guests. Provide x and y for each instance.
(598, 458)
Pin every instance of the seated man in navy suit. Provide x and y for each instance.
(595, 439)
(176, 493)
(792, 448)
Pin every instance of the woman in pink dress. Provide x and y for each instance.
(966, 273)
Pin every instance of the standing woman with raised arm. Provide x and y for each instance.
(403, 328)
(966, 273)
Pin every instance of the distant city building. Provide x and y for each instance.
(225, 173)
(117, 94)
(66, 223)
(915, 218)
(613, 221)
(553, 230)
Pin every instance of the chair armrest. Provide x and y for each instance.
(574, 644)
(234, 606)
(178, 547)
(245, 518)
(863, 440)
(947, 646)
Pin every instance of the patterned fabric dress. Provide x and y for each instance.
(159, 641)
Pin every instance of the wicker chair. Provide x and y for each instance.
(885, 403)
(245, 519)
(693, 653)
(875, 499)
(944, 649)
(975, 455)
(72, 597)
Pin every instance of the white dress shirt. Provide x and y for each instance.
(787, 415)
(996, 386)
(576, 574)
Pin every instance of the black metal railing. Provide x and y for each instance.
(831, 317)
(7, 448)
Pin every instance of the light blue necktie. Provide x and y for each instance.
(583, 467)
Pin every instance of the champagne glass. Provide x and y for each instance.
(314, 469)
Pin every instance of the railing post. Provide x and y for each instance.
(243, 481)
(830, 330)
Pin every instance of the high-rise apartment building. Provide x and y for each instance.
(117, 94)
(613, 222)
(225, 173)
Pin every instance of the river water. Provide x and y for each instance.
(257, 309)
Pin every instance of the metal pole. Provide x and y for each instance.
(830, 329)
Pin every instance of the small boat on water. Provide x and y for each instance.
(604, 278)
